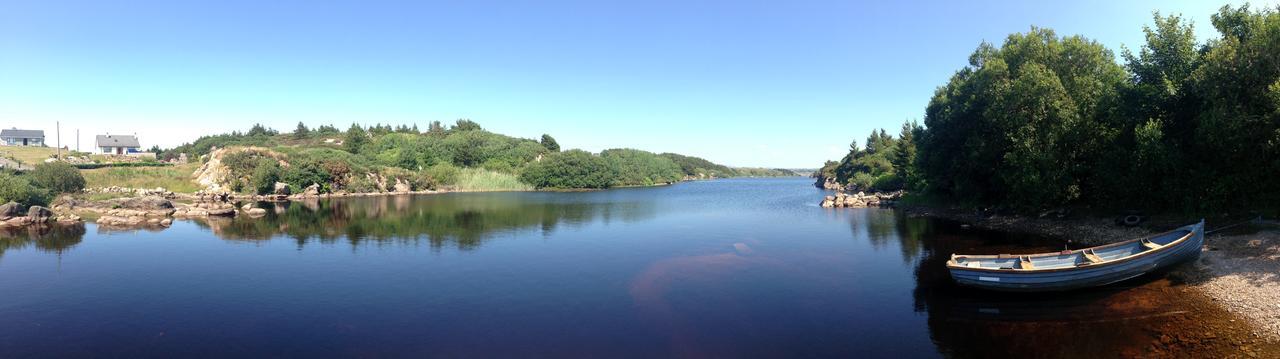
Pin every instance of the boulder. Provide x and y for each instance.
(402, 186)
(281, 189)
(39, 214)
(256, 212)
(10, 210)
(148, 203)
(312, 190)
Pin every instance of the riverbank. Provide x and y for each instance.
(1239, 271)
(1243, 274)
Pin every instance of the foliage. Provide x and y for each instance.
(700, 168)
(443, 174)
(550, 143)
(570, 169)
(301, 132)
(477, 179)
(173, 178)
(18, 188)
(57, 177)
(437, 158)
(355, 139)
(264, 177)
(884, 164)
(1044, 120)
(463, 125)
(640, 168)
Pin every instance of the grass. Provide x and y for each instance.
(175, 178)
(477, 179)
(29, 155)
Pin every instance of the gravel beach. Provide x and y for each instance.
(1244, 276)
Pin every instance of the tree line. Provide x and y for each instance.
(1044, 120)
(435, 158)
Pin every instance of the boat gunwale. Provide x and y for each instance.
(952, 264)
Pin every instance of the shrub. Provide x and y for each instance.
(443, 174)
(362, 184)
(19, 189)
(264, 177)
(57, 177)
(570, 169)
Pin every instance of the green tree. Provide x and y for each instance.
(436, 129)
(1025, 123)
(301, 132)
(465, 125)
(260, 131)
(550, 143)
(356, 139)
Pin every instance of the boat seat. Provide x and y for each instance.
(1093, 258)
(1150, 244)
(1025, 263)
(973, 264)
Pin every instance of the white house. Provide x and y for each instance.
(16, 137)
(118, 145)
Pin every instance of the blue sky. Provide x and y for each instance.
(745, 83)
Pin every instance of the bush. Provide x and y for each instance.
(264, 177)
(19, 189)
(570, 169)
(443, 174)
(57, 177)
(362, 184)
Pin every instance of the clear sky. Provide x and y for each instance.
(745, 83)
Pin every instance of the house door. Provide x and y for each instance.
(119, 150)
(24, 142)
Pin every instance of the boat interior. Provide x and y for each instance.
(1071, 259)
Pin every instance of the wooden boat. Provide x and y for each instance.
(1082, 268)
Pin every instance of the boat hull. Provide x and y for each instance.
(1084, 276)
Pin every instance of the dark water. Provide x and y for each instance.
(727, 268)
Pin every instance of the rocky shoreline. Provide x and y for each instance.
(157, 207)
(861, 200)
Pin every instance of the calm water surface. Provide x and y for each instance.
(749, 267)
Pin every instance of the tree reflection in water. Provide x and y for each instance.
(462, 222)
(54, 238)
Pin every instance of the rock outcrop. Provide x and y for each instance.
(861, 200)
(402, 187)
(215, 177)
(138, 192)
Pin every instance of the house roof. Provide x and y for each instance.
(117, 141)
(14, 132)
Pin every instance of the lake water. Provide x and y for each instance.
(725, 268)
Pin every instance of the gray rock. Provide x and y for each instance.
(281, 189)
(10, 210)
(39, 214)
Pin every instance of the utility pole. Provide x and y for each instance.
(58, 127)
(77, 140)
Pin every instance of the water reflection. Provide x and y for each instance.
(55, 238)
(464, 222)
